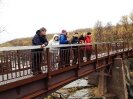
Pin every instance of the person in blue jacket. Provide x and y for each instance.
(64, 51)
(63, 37)
(38, 39)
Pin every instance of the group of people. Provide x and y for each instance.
(63, 52)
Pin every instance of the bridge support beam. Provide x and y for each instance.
(117, 84)
(92, 79)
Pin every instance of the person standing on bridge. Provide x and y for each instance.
(75, 40)
(64, 51)
(88, 47)
(38, 39)
(82, 48)
(54, 51)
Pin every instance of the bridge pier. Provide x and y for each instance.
(117, 83)
(93, 79)
(102, 84)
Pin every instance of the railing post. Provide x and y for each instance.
(132, 45)
(79, 56)
(123, 46)
(71, 53)
(128, 45)
(48, 62)
(132, 48)
(96, 53)
(108, 45)
(109, 61)
(48, 67)
(116, 47)
(78, 67)
(18, 61)
(128, 48)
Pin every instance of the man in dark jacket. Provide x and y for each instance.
(38, 39)
(64, 51)
(75, 40)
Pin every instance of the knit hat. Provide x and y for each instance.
(43, 29)
(63, 31)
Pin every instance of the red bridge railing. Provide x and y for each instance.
(17, 63)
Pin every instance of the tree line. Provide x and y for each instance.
(123, 30)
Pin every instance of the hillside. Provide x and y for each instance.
(22, 41)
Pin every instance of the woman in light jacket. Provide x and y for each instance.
(54, 51)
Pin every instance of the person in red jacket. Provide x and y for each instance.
(88, 47)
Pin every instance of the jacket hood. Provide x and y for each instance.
(52, 40)
(38, 32)
(55, 36)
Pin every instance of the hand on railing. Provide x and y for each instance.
(43, 45)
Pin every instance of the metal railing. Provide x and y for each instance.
(21, 62)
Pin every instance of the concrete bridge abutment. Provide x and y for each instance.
(116, 84)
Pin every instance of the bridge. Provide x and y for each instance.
(17, 78)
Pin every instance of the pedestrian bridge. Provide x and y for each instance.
(16, 72)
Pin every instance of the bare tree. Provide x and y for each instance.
(98, 31)
(131, 17)
(125, 28)
(2, 29)
(116, 33)
(124, 21)
(108, 30)
(131, 24)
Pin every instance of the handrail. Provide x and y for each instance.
(18, 64)
(38, 46)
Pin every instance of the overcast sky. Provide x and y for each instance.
(21, 18)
